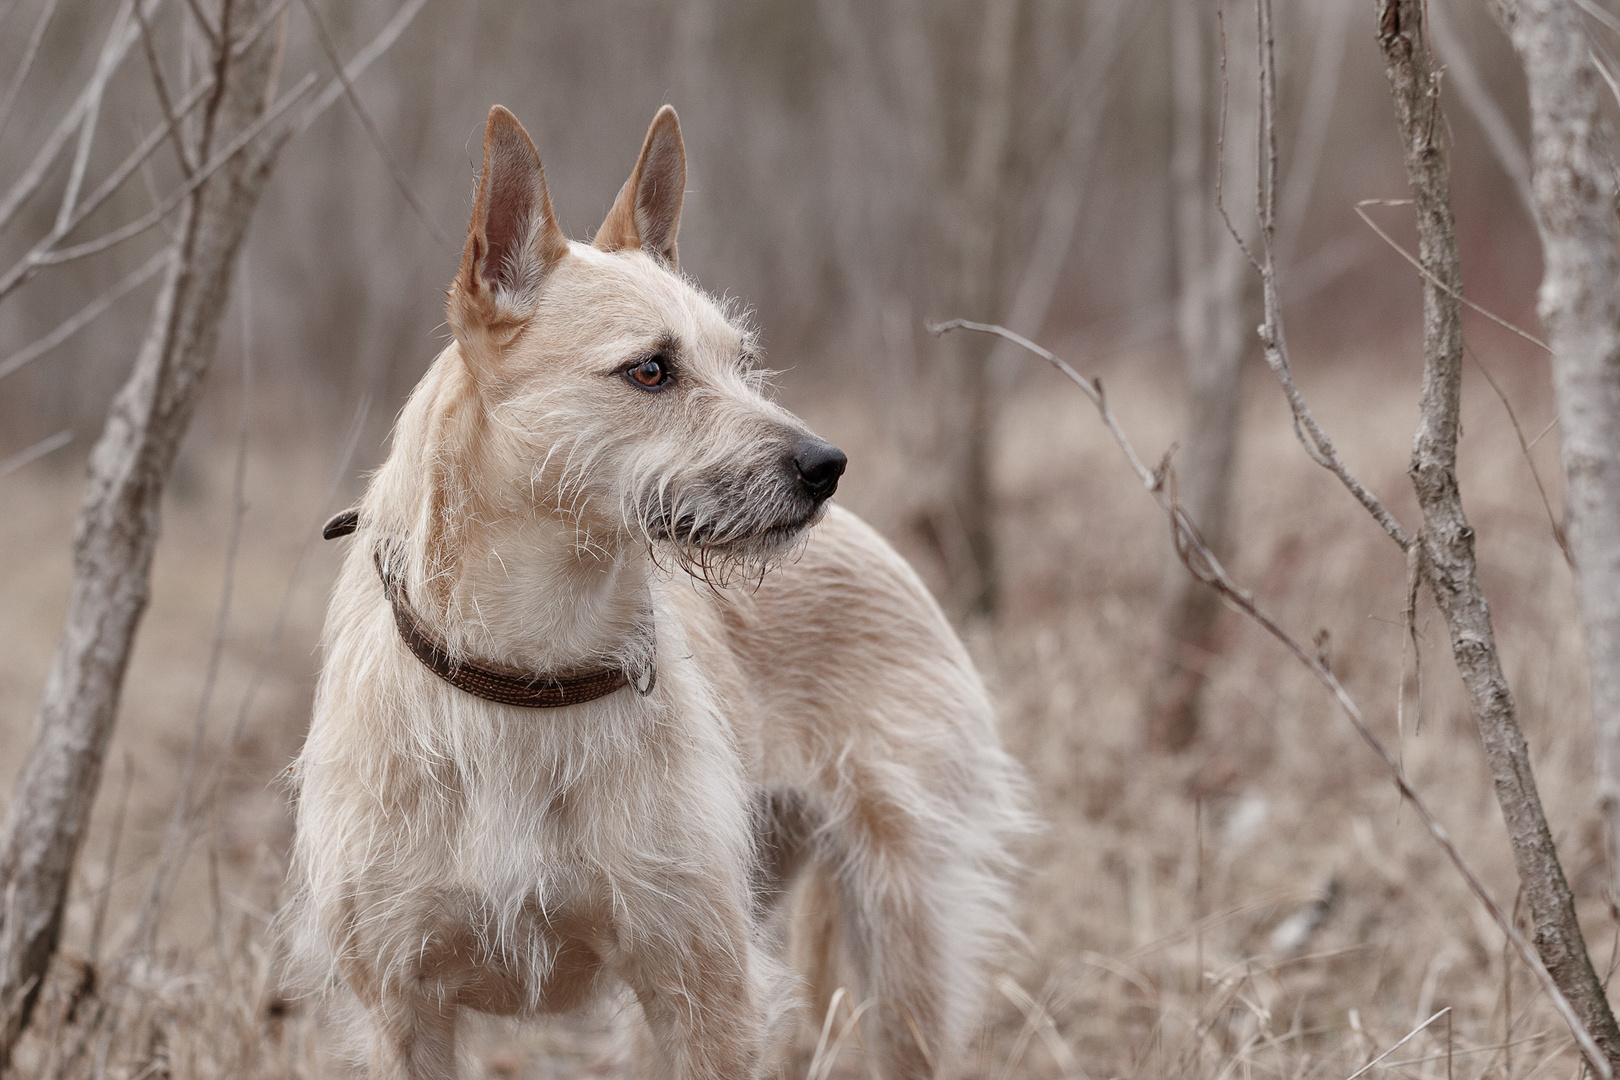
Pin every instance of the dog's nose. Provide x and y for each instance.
(820, 464)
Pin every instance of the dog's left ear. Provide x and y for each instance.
(513, 240)
(647, 212)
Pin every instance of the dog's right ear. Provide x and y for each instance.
(512, 242)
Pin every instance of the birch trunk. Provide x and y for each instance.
(118, 529)
(1446, 543)
(1574, 191)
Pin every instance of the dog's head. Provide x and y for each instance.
(623, 395)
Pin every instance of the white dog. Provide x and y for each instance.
(552, 750)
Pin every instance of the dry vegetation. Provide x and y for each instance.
(1261, 906)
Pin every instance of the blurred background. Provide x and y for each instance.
(1229, 887)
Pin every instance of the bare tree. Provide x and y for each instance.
(1575, 190)
(1210, 316)
(1579, 300)
(225, 157)
(1444, 549)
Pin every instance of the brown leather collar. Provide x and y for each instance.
(504, 686)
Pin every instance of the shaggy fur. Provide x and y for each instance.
(547, 513)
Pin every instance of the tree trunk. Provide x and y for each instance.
(118, 529)
(990, 139)
(1574, 190)
(1446, 543)
(1210, 328)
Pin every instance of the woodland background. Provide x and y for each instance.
(1256, 903)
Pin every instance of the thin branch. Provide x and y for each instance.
(401, 181)
(35, 452)
(44, 254)
(1066, 189)
(1409, 1035)
(29, 54)
(1499, 133)
(210, 31)
(1202, 564)
(1524, 449)
(109, 186)
(357, 65)
(1274, 345)
(252, 33)
(1327, 67)
(34, 175)
(105, 66)
(161, 87)
(87, 314)
(1436, 282)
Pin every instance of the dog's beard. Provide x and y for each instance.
(728, 529)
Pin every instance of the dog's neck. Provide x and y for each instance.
(495, 575)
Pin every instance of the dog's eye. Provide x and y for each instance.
(652, 373)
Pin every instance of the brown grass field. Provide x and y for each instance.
(1261, 906)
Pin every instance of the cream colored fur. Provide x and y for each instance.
(815, 714)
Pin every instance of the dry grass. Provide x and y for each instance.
(1258, 907)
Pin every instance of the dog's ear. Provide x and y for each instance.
(647, 212)
(513, 240)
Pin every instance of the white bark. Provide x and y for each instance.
(1574, 187)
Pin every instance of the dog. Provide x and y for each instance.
(607, 680)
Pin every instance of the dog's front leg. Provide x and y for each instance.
(412, 1038)
(706, 991)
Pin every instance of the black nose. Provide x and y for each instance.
(820, 464)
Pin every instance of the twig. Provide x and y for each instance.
(1524, 450)
(1499, 133)
(1410, 1034)
(35, 452)
(1327, 65)
(401, 181)
(27, 64)
(46, 254)
(1274, 345)
(204, 23)
(1436, 282)
(26, 184)
(1066, 189)
(87, 314)
(161, 87)
(1203, 564)
(357, 65)
(106, 64)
